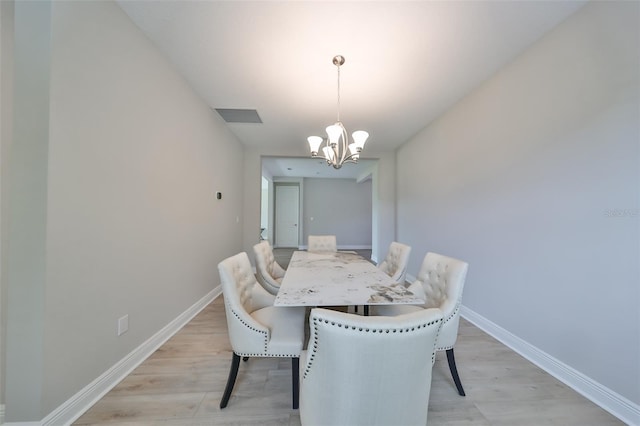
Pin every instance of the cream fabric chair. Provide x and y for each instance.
(441, 281)
(368, 370)
(322, 244)
(268, 272)
(395, 264)
(256, 328)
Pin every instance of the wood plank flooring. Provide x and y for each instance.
(181, 384)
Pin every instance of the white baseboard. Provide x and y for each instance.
(75, 406)
(619, 406)
(21, 424)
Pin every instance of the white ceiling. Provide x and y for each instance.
(406, 61)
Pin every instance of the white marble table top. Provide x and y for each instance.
(338, 279)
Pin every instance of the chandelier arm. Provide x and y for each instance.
(327, 157)
(349, 159)
(344, 143)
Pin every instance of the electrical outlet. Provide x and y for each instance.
(123, 324)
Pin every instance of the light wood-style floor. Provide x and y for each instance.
(182, 382)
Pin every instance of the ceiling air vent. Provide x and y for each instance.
(239, 115)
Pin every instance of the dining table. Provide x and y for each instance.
(339, 279)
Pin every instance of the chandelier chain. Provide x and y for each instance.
(338, 92)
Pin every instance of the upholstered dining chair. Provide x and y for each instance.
(268, 272)
(256, 327)
(395, 264)
(441, 281)
(322, 243)
(368, 370)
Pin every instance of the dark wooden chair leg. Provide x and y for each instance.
(295, 381)
(366, 310)
(233, 373)
(454, 371)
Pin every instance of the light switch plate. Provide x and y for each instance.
(123, 324)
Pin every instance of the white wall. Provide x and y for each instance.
(523, 179)
(6, 131)
(340, 207)
(133, 226)
(264, 208)
(26, 198)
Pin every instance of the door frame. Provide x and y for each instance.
(297, 183)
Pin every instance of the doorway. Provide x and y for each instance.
(287, 214)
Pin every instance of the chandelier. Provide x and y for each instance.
(337, 150)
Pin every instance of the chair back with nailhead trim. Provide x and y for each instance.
(361, 370)
(247, 335)
(442, 278)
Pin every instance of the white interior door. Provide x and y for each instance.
(287, 205)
